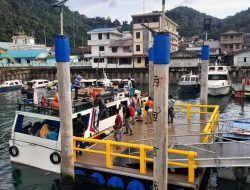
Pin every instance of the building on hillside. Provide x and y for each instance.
(242, 58)
(110, 48)
(184, 59)
(247, 40)
(232, 41)
(23, 42)
(143, 38)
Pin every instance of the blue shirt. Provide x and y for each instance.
(53, 135)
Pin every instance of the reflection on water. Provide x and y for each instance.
(17, 177)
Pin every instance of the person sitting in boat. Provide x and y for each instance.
(53, 135)
(171, 102)
(44, 102)
(44, 132)
(55, 102)
(29, 94)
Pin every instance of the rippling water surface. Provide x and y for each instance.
(17, 177)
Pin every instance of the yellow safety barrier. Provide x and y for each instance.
(142, 157)
(212, 122)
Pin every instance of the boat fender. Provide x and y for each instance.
(55, 158)
(116, 182)
(98, 178)
(13, 151)
(135, 185)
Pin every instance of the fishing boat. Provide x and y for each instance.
(219, 83)
(26, 136)
(10, 85)
(189, 83)
(238, 130)
(243, 90)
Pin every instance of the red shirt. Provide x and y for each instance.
(118, 121)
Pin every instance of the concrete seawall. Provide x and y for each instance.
(140, 74)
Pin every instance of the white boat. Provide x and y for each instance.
(88, 82)
(46, 153)
(10, 85)
(219, 82)
(39, 83)
(189, 83)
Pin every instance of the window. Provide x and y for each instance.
(16, 82)
(237, 46)
(101, 48)
(28, 60)
(187, 78)
(217, 77)
(32, 126)
(192, 79)
(138, 48)
(232, 37)
(40, 82)
(138, 60)
(98, 60)
(138, 35)
(231, 46)
(114, 49)
(182, 78)
(46, 82)
(245, 59)
(89, 37)
(108, 35)
(155, 19)
(100, 36)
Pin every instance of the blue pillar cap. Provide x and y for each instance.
(151, 54)
(62, 49)
(162, 48)
(205, 54)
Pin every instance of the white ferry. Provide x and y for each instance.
(10, 85)
(40, 83)
(29, 148)
(219, 82)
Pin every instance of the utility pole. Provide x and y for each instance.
(62, 54)
(161, 80)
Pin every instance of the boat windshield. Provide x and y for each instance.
(187, 78)
(182, 78)
(192, 79)
(217, 77)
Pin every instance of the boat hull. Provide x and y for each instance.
(189, 88)
(12, 88)
(218, 90)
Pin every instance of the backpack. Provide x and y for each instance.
(133, 83)
(131, 111)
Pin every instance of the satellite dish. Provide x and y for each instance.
(59, 3)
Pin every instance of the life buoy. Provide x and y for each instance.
(55, 158)
(13, 151)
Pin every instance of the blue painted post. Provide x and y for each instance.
(160, 82)
(204, 81)
(62, 54)
(151, 72)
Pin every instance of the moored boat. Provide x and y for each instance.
(10, 85)
(189, 83)
(219, 83)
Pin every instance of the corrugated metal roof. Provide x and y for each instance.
(24, 54)
(104, 30)
(5, 45)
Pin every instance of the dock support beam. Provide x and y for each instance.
(62, 52)
(204, 82)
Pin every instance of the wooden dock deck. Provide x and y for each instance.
(143, 134)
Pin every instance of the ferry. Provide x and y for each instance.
(189, 83)
(46, 153)
(10, 85)
(39, 83)
(219, 82)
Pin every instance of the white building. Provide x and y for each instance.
(143, 39)
(110, 48)
(23, 41)
(242, 59)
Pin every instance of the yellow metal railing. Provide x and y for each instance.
(210, 126)
(142, 157)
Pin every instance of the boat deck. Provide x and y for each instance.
(178, 133)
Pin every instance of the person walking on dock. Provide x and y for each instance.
(117, 127)
(78, 131)
(171, 102)
(126, 113)
(149, 108)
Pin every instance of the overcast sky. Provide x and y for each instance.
(123, 9)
